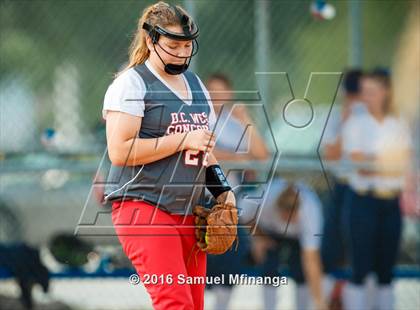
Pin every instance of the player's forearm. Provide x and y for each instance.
(138, 151)
(391, 167)
(332, 151)
(313, 273)
(230, 156)
(212, 160)
(258, 148)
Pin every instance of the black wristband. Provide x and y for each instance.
(216, 181)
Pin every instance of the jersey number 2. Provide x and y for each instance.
(192, 157)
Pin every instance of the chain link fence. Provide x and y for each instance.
(58, 57)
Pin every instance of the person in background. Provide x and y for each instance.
(232, 122)
(352, 105)
(288, 231)
(380, 140)
(406, 71)
(332, 247)
(238, 140)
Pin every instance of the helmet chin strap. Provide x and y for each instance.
(174, 69)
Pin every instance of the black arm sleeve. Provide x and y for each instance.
(216, 181)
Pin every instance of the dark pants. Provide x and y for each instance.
(233, 262)
(373, 230)
(287, 254)
(332, 248)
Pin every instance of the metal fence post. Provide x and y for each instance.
(262, 46)
(355, 33)
(190, 7)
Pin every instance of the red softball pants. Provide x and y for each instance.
(162, 248)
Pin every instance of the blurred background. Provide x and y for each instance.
(57, 59)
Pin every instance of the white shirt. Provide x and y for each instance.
(335, 123)
(129, 85)
(333, 130)
(363, 133)
(307, 228)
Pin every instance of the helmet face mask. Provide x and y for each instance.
(194, 50)
(155, 31)
(190, 33)
(174, 69)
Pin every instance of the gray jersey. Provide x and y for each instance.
(175, 183)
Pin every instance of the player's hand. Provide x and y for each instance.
(200, 139)
(227, 197)
(259, 248)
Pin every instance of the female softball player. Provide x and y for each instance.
(371, 207)
(158, 119)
